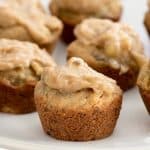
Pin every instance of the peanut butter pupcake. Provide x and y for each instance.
(109, 48)
(21, 64)
(26, 20)
(144, 84)
(72, 12)
(76, 103)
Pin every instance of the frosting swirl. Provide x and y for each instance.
(75, 76)
(31, 15)
(116, 40)
(16, 54)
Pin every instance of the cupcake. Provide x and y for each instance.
(21, 64)
(144, 84)
(76, 103)
(109, 48)
(73, 12)
(147, 18)
(26, 20)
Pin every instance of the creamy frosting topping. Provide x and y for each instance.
(76, 76)
(111, 36)
(116, 40)
(100, 7)
(31, 15)
(16, 54)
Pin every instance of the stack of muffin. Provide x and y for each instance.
(82, 100)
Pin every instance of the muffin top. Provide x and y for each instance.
(80, 9)
(15, 54)
(144, 77)
(29, 14)
(76, 84)
(117, 42)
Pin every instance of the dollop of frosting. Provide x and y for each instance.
(112, 36)
(31, 15)
(116, 40)
(100, 7)
(16, 54)
(75, 76)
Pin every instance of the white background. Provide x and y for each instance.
(24, 132)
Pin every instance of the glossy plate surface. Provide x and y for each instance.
(132, 132)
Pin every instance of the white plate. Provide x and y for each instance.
(24, 132)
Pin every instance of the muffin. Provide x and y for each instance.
(144, 84)
(147, 18)
(73, 12)
(21, 64)
(109, 48)
(76, 103)
(26, 20)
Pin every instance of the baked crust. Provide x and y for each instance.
(125, 81)
(146, 98)
(147, 21)
(79, 125)
(147, 18)
(21, 65)
(109, 48)
(17, 100)
(73, 13)
(143, 83)
(76, 103)
(79, 11)
(28, 21)
(68, 32)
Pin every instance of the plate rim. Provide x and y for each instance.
(21, 145)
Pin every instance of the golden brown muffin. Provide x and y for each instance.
(76, 103)
(26, 20)
(144, 84)
(21, 64)
(147, 18)
(73, 12)
(109, 48)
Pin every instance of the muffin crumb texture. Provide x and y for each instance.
(144, 84)
(21, 65)
(147, 18)
(110, 48)
(72, 12)
(26, 20)
(76, 103)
